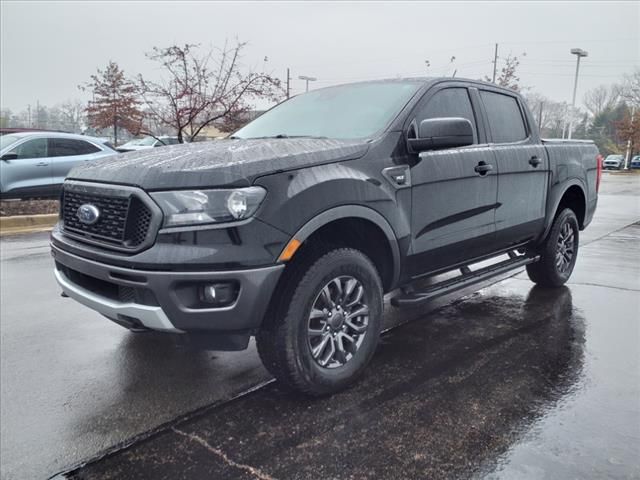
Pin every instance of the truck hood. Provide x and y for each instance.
(220, 163)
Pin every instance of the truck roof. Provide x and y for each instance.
(425, 81)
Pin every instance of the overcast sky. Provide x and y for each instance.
(50, 47)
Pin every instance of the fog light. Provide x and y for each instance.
(219, 294)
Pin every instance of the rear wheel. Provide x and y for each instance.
(324, 329)
(559, 252)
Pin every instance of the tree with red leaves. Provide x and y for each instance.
(202, 89)
(508, 77)
(116, 102)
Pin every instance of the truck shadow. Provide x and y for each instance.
(444, 397)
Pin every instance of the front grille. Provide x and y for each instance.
(124, 221)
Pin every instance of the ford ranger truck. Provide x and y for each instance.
(293, 229)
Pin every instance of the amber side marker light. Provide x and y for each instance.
(289, 250)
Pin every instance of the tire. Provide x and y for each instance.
(558, 253)
(289, 341)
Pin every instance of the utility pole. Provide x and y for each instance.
(307, 79)
(29, 116)
(495, 64)
(37, 113)
(579, 53)
(288, 83)
(540, 115)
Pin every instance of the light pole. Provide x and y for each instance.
(579, 53)
(307, 79)
(628, 154)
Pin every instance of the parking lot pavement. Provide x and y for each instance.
(512, 381)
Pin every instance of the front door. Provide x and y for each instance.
(28, 172)
(454, 192)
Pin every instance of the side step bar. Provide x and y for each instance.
(466, 278)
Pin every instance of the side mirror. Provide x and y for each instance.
(447, 132)
(9, 156)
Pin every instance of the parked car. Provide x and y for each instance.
(293, 229)
(35, 163)
(613, 162)
(147, 142)
(635, 162)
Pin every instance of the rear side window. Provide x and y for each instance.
(450, 102)
(505, 118)
(67, 147)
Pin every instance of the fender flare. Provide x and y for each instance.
(355, 211)
(574, 182)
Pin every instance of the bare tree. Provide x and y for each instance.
(115, 101)
(602, 98)
(5, 117)
(202, 89)
(72, 115)
(551, 116)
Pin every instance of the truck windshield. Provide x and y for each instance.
(343, 112)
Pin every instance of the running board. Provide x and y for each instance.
(466, 278)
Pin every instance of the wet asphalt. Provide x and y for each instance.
(510, 382)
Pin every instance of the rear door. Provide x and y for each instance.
(66, 153)
(523, 169)
(453, 202)
(30, 171)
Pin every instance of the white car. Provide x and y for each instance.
(34, 164)
(147, 142)
(613, 162)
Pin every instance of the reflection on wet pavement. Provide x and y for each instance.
(446, 397)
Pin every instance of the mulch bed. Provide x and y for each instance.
(9, 208)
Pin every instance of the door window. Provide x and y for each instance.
(450, 102)
(67, 147)
(505, 118)
(36, 148)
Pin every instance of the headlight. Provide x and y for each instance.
(194, 207)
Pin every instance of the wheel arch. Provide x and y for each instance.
(356, 223)
(572, 196)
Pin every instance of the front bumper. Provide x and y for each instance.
(166, 300)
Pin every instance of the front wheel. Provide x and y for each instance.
(325, 327)
(558, 253)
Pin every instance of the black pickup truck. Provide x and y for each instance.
(294, 228)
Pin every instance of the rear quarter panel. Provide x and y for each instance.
(571, 163)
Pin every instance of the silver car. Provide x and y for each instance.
(34, 164)
(613, 162)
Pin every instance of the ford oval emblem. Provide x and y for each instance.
(88, 214)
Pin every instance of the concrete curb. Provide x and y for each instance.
(27, 223)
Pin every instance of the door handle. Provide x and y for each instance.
(42, 164)
(483, 168)
(534, 161)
